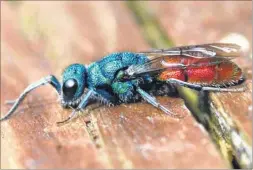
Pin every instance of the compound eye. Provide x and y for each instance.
(69, 88)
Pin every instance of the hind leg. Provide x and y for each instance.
(152, 100)
(201, 88)
(203, 91)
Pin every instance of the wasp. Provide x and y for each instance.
(125, 77)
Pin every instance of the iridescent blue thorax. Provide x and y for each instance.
(103, 72)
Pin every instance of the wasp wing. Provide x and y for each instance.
(160, 64)
(183, 57)
(199, 51)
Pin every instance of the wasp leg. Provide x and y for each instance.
(100, 95)
(237, 89)
(201, 88)
(104, 97)
(49, 79)
(185, 84)
(81, 106)
(152, 100)
(204, 97)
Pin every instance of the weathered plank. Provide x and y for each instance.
(40, 38)
(197, 23)
(142, 137)
(30, 140)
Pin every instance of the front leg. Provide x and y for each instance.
(100, 95)
(81, 106)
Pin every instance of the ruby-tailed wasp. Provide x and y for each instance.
(126, 77)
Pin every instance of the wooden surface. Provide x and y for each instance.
(41, 38)
(201, 22)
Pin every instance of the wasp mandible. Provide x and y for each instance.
(125, 77)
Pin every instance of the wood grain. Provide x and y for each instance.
(41, 38)
(205, 22)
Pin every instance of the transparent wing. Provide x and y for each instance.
(183, 57)
(199, 51)
(162, 63)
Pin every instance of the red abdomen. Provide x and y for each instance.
(203, 71)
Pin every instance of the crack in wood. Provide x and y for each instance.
(240, 149)
(218, 126)
(96, 137)
(93, 133)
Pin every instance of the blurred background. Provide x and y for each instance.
(42, 38)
